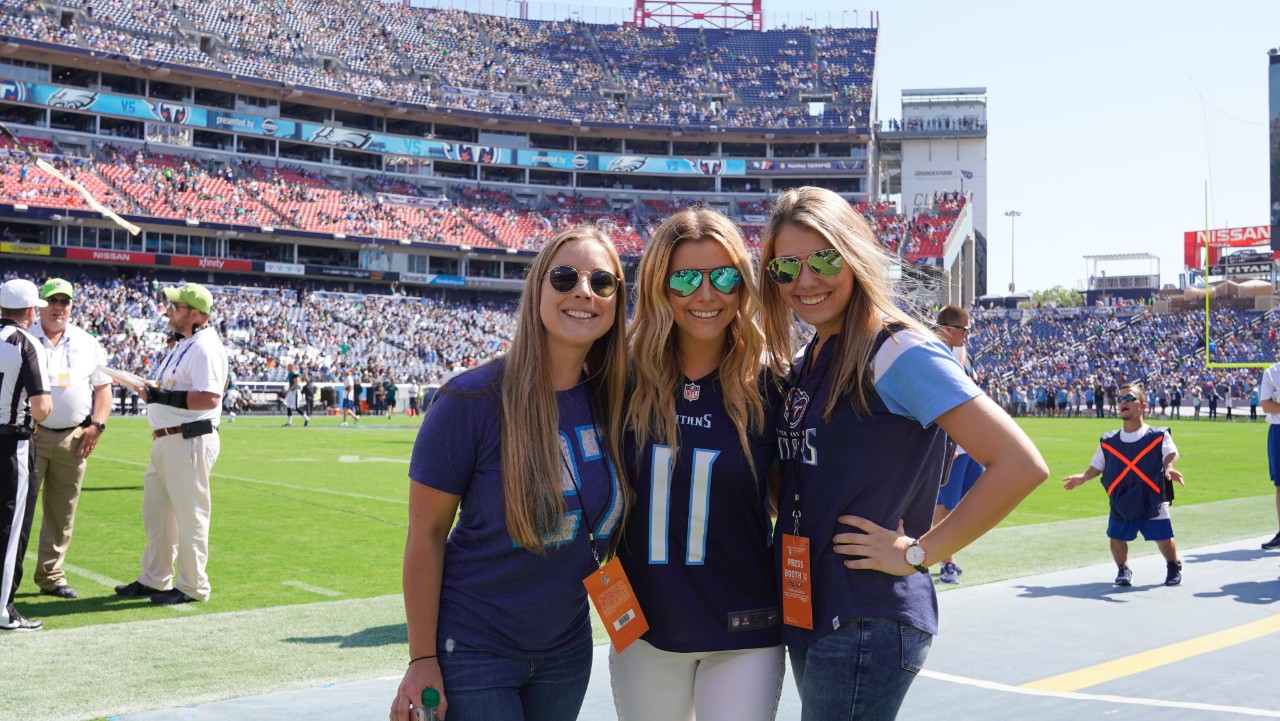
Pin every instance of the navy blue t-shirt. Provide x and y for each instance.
(883, 466)
(697, 546)
(496, 595)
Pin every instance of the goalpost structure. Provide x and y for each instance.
(1208, 317)
(1208, 328)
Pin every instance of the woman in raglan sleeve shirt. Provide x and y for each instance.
(861, 444)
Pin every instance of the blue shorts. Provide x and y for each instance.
(964, 473)
(1153, 529)
(347, 403)
(1273, 453)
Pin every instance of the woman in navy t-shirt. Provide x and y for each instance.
(696, 546)
(521, 451)
(861, 444)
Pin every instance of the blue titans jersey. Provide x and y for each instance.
(697, 542)
(883, 466)
(496, 595)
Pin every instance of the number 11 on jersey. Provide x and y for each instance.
(660, 504)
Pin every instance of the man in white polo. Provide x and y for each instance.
(81, 404)
(183, 407)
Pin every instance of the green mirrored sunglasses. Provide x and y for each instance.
(687, 281)
(826, 263)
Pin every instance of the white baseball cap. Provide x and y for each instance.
(19, 293)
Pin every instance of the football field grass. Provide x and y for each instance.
(308, 532)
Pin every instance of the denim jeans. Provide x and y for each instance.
(483, 686)
(859, 672)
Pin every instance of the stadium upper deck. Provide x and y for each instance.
(621, 74)
(301, 140)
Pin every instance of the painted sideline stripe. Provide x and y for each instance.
(311, 589)
(1127, 700)
(100, 579)
(308, 489)
(97, 578)
(1157, 657)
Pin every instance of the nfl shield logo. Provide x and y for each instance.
(692, 392)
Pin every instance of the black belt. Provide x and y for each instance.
(16, 431)
(88, 421)
(194, 429)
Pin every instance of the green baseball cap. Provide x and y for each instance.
(193, 294)
(57, 286)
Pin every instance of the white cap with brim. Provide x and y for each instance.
(19, 293)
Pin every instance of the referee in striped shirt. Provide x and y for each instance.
(24, 402)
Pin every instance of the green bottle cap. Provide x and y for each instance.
(430, 698)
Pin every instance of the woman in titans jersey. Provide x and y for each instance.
(860, 443)
(697, 541)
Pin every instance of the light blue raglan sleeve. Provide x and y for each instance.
(918, 377)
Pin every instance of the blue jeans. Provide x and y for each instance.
(860, 672)
(483, 686)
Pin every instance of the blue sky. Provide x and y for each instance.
(1106, 118)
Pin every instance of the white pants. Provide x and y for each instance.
(649, 683)
(175, 513)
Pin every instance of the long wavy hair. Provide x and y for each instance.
(531, 460)
(655, 351)
(871, 308)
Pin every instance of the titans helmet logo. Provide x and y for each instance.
(796, 404)
(170, 112)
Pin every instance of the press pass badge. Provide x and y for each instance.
(797, 599)
(615, 601)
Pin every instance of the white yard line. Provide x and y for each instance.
(1076, 696)
(101, 580)
(277, 484)
(311, 589)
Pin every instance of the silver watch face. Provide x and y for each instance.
(915, 555)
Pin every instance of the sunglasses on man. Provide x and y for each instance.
(564, 278)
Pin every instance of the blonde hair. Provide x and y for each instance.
(871, 308)
(531, 457)
(654, 347)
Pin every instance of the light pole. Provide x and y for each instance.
(1012, 215)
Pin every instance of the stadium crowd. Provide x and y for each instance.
(329, 334)
(1062, 361)
(486, 63)
(1048, 361)
(249, 193)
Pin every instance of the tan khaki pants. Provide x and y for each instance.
(60, 472)
(175, 513)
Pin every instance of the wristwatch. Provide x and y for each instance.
(100, 426)
(915, 557)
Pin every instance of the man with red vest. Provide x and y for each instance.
(1136, 465)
